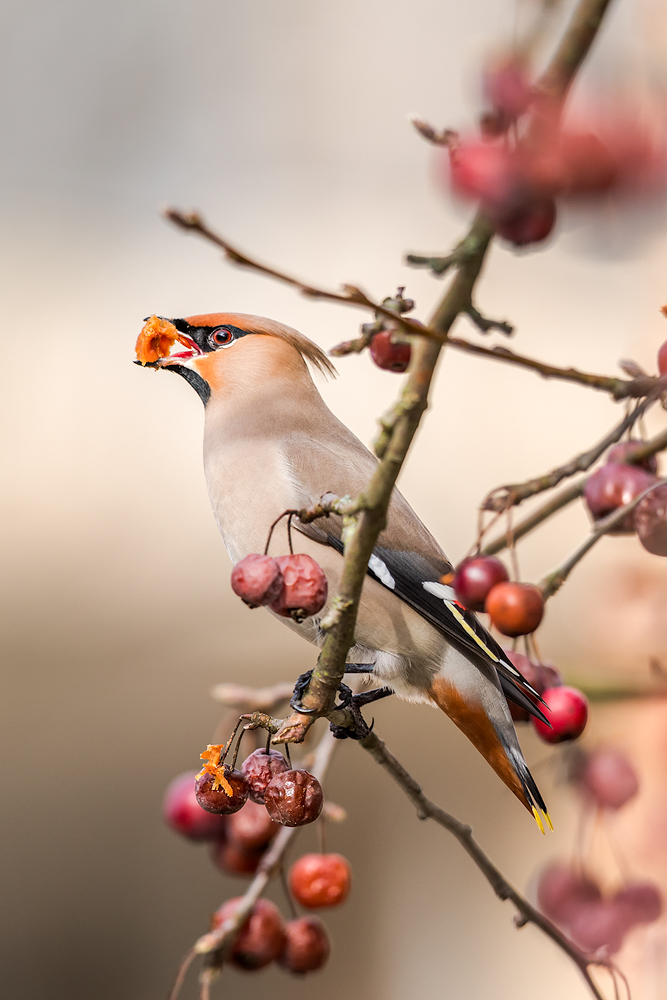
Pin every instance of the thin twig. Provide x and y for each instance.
(463, 833)
(503, 497)
(567, 495)
(618, 388)
(555, 580)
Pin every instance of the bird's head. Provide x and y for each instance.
(219, 353)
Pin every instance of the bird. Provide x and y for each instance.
(271, 444)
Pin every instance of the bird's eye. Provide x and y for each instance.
(221, 338)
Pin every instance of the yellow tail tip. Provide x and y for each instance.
(548, 819)
(538, 819)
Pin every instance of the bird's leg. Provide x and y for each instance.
(359, 668)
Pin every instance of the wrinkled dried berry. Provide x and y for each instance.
(259, 768)
(257, 580)
(294, 798)
(304, 589)
(224, 793)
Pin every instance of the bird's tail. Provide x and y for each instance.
(489, 727)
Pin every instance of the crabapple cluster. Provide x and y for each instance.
(293, 586)
(594, 916)
(266, 793)
(518, 171)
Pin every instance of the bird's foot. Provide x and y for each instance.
(354, 703)
(348, 699)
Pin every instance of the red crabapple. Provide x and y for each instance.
(474, 579)
(307, 945)
(183, 813)
(651, 521)
(259, 768)
(318, 880)
(294, 798)
(223, 792)
(515, 608)
(304, 589)
(622, 451)
(388, 353)
(531, 221)
(257, 580)
(613, 486)
(567, 711)
(560, 890)
(609, 778)
(261, 938)
(641, 902)
(251, 828)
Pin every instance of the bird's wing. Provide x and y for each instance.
(407, 559)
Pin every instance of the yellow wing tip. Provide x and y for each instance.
(548, 819)
(538, 819)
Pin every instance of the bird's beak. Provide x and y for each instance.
(156, 343)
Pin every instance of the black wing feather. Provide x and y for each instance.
(405, 573)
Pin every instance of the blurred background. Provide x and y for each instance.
(287, 126)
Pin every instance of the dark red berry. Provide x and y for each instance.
(507, 87)
(613, 486)
(257, 580)
(307, 945)
(474, 579)
(259, 768)
(598, 925)
(318, 880)
(531, 221)
(294, 798)
(662, 359)
(261, 938)
(515, 608)
(651, 521)
(304, 589)
(567, 711)
(608, 778)
(540, 676)
(622, 451)
(640, 902)
(561, 891)
(223, 792)
(484, 172)
(390, 353)
(251, 828)
(233, 859)
(183, 813)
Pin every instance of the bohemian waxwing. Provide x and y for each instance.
(271, 444)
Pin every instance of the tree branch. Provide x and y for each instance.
(618, 388)
(565, 497)
(502, 888)
(504, 497)
(555, 580)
